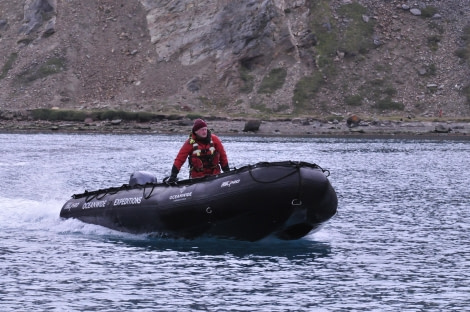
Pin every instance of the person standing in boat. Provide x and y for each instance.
(204, 151)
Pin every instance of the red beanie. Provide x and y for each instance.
(198, 124)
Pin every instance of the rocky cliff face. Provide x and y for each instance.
(221, 57)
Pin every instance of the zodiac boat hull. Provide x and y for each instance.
(285, 199)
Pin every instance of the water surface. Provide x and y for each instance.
(398, 243)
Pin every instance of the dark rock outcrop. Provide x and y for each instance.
(36, 12)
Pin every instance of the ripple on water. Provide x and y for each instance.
(397, 242)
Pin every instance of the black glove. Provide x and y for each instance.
(226, 169)
(172, 179)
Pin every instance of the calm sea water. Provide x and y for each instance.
(400, 240)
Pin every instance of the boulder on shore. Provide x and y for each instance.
(252, 125)
(353, 121)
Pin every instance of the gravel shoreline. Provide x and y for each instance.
(441, 130)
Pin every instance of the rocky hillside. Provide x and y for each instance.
(237, 58)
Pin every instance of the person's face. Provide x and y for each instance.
(202, 132)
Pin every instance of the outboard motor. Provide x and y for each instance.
(141, 178)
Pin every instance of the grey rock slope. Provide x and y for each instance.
(221, 57)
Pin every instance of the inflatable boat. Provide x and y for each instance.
(287, 200)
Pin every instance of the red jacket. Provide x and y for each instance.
(206, 156)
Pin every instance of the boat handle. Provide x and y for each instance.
(296, 202)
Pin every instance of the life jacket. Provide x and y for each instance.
(204, 160)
